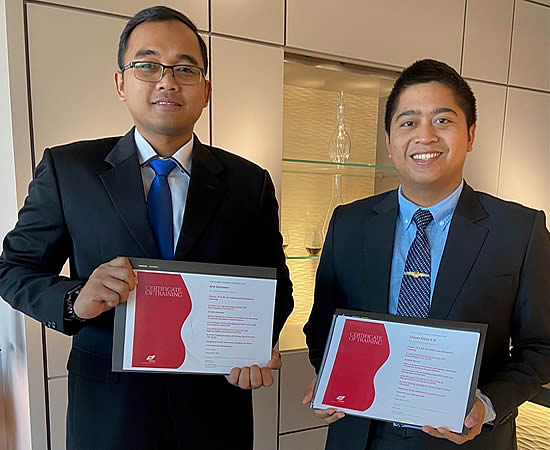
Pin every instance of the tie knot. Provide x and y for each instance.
(422, 217)
(162, 166)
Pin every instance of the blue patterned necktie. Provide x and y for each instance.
(159, 207)
(414, 294)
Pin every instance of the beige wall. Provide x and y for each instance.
(15, 427)
(501, 46)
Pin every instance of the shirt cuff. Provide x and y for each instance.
(490, 413)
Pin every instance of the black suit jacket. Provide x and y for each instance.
(493, 270)
(87, 204)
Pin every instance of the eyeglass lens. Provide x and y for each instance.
(153, 72)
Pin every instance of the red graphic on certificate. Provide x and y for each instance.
(162, 306)
(362, 350)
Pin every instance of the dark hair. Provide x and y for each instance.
(427, 71)
(157, 14)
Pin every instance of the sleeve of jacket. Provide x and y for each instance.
(36, 249)
(528, 365)
(270, 244)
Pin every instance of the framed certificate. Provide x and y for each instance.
(401, 369)
(195, 318)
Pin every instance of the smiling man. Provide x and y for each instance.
(466, 255)
(97, 202)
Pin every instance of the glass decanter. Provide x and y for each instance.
(339, 144)
(339, 149)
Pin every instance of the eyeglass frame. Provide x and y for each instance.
(132, 64)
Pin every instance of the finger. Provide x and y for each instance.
(445, 433)
(275, 362)
(244, 378)
(267, 377)
(255, 377)
(432, 432)
(233, 376)
(118, 286)
(120, 261)
(329, 415)
(102, 294)
(120, 273)
(476, 415)
(308, 396)
(122, 269)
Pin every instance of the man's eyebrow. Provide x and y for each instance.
(410, 112)
(415, 112)
(149, 52)
(189, 58)
(146, 52)
(443, 110)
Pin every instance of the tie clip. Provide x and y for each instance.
(416, 274)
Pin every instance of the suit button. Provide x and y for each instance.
(54, 325)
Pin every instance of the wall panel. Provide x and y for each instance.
(525, 173)
(530, 61)
(58, 411)
(482, 164)
(247, 102)
(390, 32)
(487, 39)
(197, 10)
(72, 87)
(296, 376)
(252, 19)
(305, 440)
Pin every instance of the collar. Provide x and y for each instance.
(145, 152)
(442, 212)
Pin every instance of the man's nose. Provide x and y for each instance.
(426, 133)
(168, 80)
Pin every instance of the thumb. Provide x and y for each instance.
(308, 396)
(476, 414)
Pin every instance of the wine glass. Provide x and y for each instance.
(313, 241)
(286, 237)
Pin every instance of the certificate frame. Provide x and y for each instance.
(436, 324)
(186, 268)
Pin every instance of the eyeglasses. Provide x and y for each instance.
(152, 72)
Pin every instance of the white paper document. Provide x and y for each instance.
(401, 372)
(195, 322)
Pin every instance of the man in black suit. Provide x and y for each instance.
(486, 257)
(88, 203)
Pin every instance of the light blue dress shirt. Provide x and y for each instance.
(405, 232)
(437, 232)
(178, 179)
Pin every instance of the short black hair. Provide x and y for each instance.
(157, 14)
(427, 71)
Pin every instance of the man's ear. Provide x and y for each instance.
(388, 144)
(471, 137)
(207, 92)
(119, 85)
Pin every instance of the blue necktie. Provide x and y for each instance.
(159, 207)
(414, 294)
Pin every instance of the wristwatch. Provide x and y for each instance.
(70, 298)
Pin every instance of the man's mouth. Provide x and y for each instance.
(166, 103)
(426, 156)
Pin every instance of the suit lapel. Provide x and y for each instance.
(379, 232)
(464, 242)
(124, 185)
(206, 189)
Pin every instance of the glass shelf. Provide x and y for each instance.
(303, 257)
(291, 165)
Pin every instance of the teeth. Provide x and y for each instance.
(166, 103)
(426, 155)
